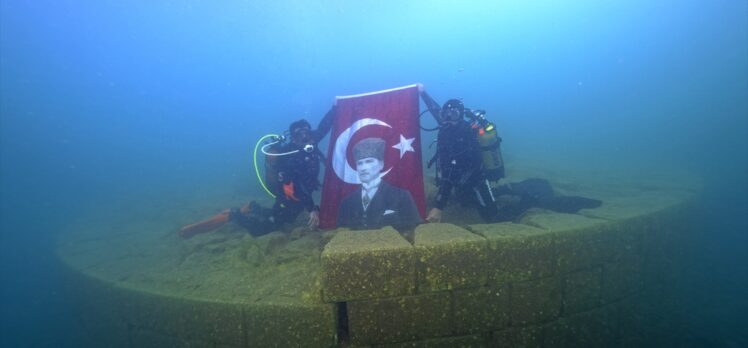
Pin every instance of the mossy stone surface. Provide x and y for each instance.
(581, 242)
(530, 336)
(367, 264)
(622, 279)
(481, 310)
(596, 328)
(474, 341)
(517, 252)
(400, 319)
(449, 257)
(291, 325)
(582, 290)
(535, 301)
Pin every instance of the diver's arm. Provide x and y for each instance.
(442, 196)
(432, 106)
(325, 124)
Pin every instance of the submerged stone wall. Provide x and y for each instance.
(553, 280)
(110, 315)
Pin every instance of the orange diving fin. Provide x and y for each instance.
(206, 225)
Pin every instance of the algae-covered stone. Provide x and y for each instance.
(481, 310)
(530, 336)
(474, 341)
(185, 318)
(582, 290)
(555, 333)
(290, 325)
(535, 301)
(367, 264)
(517, 252)
(622, 279)
(582, 242)
(98, 319)
(400, 319)
(142, 338)
(449, 257)
(596, 328)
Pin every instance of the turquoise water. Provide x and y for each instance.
(107, 104)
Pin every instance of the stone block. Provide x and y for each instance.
(449, 257)
(291, 325)
(596, 328)
(149, 339)
(624, 239)
(582, 290)
(581, 242)
(517, 252)
(481, 310)
(184, 318)
(367, 264)
(555, 333)
(529, 336)
(400, 319)
(621, 279)
(474, 341)
(97, 320)
(535, 301)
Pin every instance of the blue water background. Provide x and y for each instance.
(104, 102)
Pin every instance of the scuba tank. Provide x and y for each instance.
(271, 167)
(271, 151)
(490, 145)
(272, 182)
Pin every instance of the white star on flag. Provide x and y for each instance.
(404, 145)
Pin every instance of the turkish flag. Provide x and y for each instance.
(391, 115)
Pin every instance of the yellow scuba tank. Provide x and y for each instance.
(490, 146)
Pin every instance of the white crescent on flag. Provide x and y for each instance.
(340, 161)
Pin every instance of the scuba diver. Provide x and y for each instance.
(468, 156)
(292, 170)
(458, 158)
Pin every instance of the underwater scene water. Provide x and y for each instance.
(121, 122)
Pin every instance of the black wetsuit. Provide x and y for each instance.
(538, 193)
(460, 168)
(298, 178)
(459, 165)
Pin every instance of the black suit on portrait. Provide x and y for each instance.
(390, 206)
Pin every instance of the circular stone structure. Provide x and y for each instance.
(601, 277)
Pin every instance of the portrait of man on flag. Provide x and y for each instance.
(388, 121)
(376, 203)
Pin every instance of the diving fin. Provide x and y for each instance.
(206, 225)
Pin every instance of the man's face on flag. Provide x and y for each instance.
(368, 169)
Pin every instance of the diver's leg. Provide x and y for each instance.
(568, 204)
(533, 189)
(486, 201)
(254, 218)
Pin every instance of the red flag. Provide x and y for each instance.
(391, 115)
